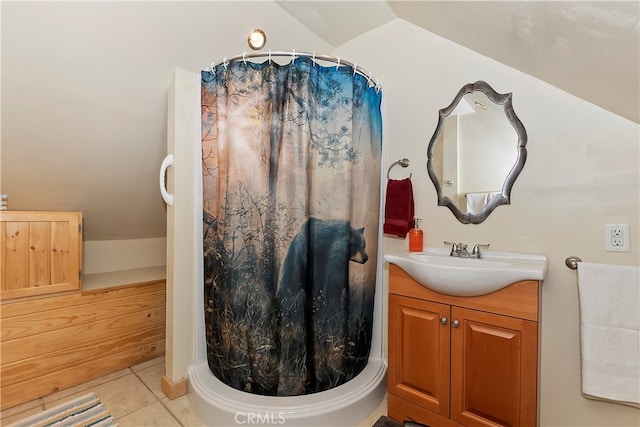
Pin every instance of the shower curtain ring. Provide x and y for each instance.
(269, 56)
(224, 62)
(355, 68)
(293, 56)
(313, 58)
(244, 57)
(337, 66)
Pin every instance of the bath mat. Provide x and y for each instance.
(84, 411)
(384, 421)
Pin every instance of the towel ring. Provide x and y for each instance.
(572, 262)
(402, 162)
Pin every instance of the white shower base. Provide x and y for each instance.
(220, 405)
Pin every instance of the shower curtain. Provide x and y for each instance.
(291, 182)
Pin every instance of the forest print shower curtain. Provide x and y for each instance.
(291, 181)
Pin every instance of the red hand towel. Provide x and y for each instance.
(398, 207)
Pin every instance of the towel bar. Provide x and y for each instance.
(402, 162)
(572, 262)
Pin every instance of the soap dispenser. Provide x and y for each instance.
(416, 237)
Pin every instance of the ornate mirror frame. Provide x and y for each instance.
(503, 198)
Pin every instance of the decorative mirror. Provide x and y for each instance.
(476, 152)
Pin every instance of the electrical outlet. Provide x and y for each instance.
(616, 238)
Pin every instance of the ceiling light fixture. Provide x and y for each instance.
(257, 39)
(480, 105)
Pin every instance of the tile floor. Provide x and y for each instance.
(133, 397)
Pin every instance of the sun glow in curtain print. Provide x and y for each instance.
(291, 180)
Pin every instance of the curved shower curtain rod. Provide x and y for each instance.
(293, 54)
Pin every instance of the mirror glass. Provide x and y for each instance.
(476, 152)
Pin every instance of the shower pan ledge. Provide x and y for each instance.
(220, 405)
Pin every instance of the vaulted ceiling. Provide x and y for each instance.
(590, 49)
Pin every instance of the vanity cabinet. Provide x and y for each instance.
(470, 361)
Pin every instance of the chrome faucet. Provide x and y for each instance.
(454, 248)
(460, 250)
(475, 252)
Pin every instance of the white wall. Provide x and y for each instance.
(103, 256)
(581, 172)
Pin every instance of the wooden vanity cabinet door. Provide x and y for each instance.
(419, 352)
(493, 369)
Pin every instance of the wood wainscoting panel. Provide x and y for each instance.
(50, 343)
(28, 318)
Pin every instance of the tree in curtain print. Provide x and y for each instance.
(291, 164)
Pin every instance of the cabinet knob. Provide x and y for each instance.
(443, 320)
(455, 323)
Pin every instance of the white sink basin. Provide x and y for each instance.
(438, 271)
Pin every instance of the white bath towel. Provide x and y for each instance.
(476, 201)
(610, 331)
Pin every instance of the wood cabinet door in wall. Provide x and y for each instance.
(41, 253)
(493, 369)
(419, 352)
